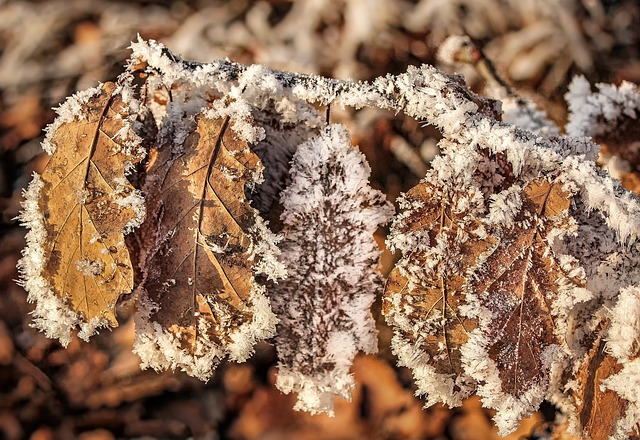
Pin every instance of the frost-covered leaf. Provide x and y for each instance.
(500, 221)
(424, 291)
(287, 125)
(76, 264)
(330, 215)
(517, 282)
(598, 390)
(199, 299)
(599, 408)
(517, 342)
(626, 385)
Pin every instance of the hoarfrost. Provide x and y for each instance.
(51, 314)
(330, 215)
(69, 111)
(623, 338)
(595, 113)
(161, 350)
(626, 384)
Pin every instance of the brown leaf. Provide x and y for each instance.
(598, 409)
(432, 305)
(518, 283)
(85, 206)
(199, 274)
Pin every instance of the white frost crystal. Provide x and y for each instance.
(330, 215)
(51, 314)
(623, 339)
(596, 113)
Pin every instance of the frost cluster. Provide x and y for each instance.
(330, 216)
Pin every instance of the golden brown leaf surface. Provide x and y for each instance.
(201, 267)
(87, 262)
(518, 283)
(438, 296)
(598, 409)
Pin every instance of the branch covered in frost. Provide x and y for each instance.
(424, 93)
(516, 110)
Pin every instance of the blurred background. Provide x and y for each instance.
(50, 49)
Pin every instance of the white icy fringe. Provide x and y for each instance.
(623, 337)
(627, 384)
(457, 50)
(623, 342)
(316, 393)
(51, 315)
(161, 350)
(433, 386)
(596, 113)
(530, 160)
(330, 215)
(427, 94)
(262, 326)
(509, 409)
(449, 171)
(69, 111)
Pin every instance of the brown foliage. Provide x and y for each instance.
(200, 265)
(440, 293)
(598, 409)
(87, 263)
(518, 282)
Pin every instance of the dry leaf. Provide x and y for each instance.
(522, 271)
(599, 409)
(517, 285)
(431, 306)
(323, 307)
(201, 295)
(282, 138)
(87, 206)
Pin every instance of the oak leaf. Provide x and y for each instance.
(85, 205)
(200, 300)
